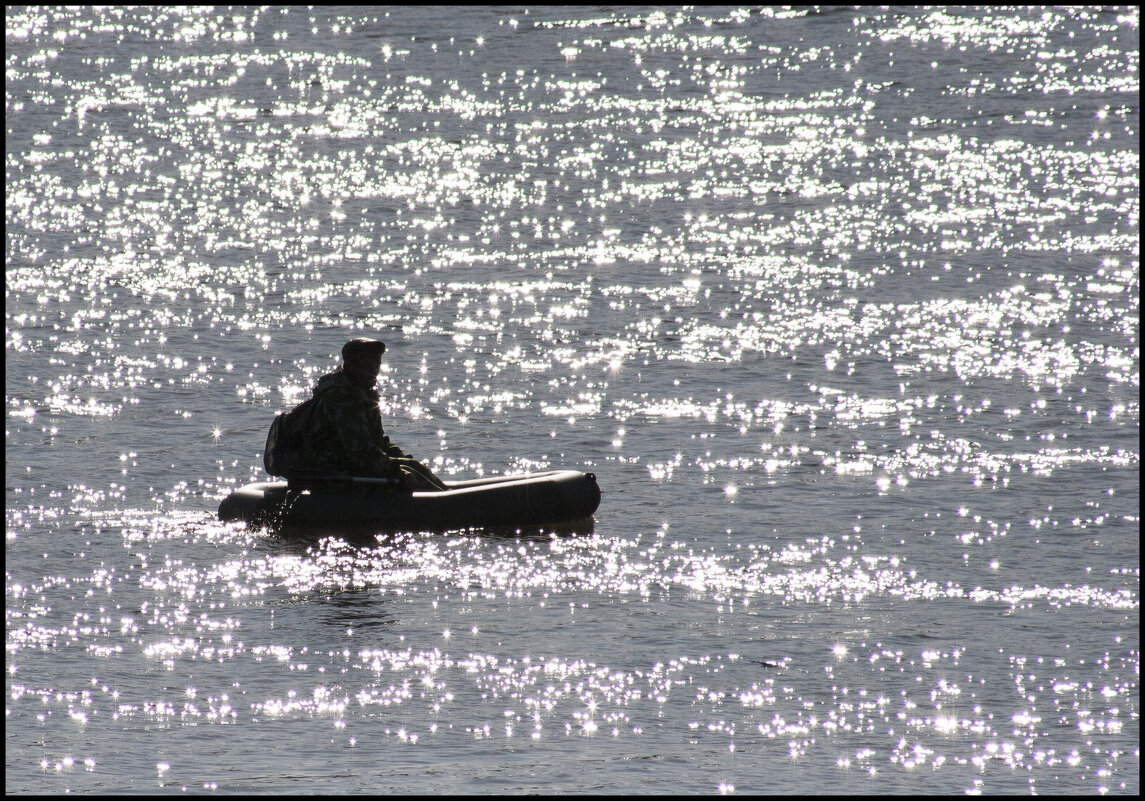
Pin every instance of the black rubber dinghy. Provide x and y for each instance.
(554, 497)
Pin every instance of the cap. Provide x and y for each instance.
(362, 346)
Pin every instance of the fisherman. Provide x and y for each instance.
(345, 435)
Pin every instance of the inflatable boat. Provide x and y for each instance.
(553, 497)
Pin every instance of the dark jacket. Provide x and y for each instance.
(345, 434)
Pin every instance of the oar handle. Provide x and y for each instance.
(306, 482)
(387, 482)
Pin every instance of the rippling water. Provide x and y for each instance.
(842, 307)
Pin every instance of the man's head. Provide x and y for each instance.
(362, 359)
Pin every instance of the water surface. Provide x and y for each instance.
(841, 306)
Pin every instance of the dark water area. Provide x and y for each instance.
(840, 305)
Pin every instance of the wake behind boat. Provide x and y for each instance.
(552, 497)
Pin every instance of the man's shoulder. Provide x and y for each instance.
(336, 390)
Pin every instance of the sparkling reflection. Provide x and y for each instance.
(841, 304)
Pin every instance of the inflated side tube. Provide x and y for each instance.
(539, 498)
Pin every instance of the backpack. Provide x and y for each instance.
(283, 453)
